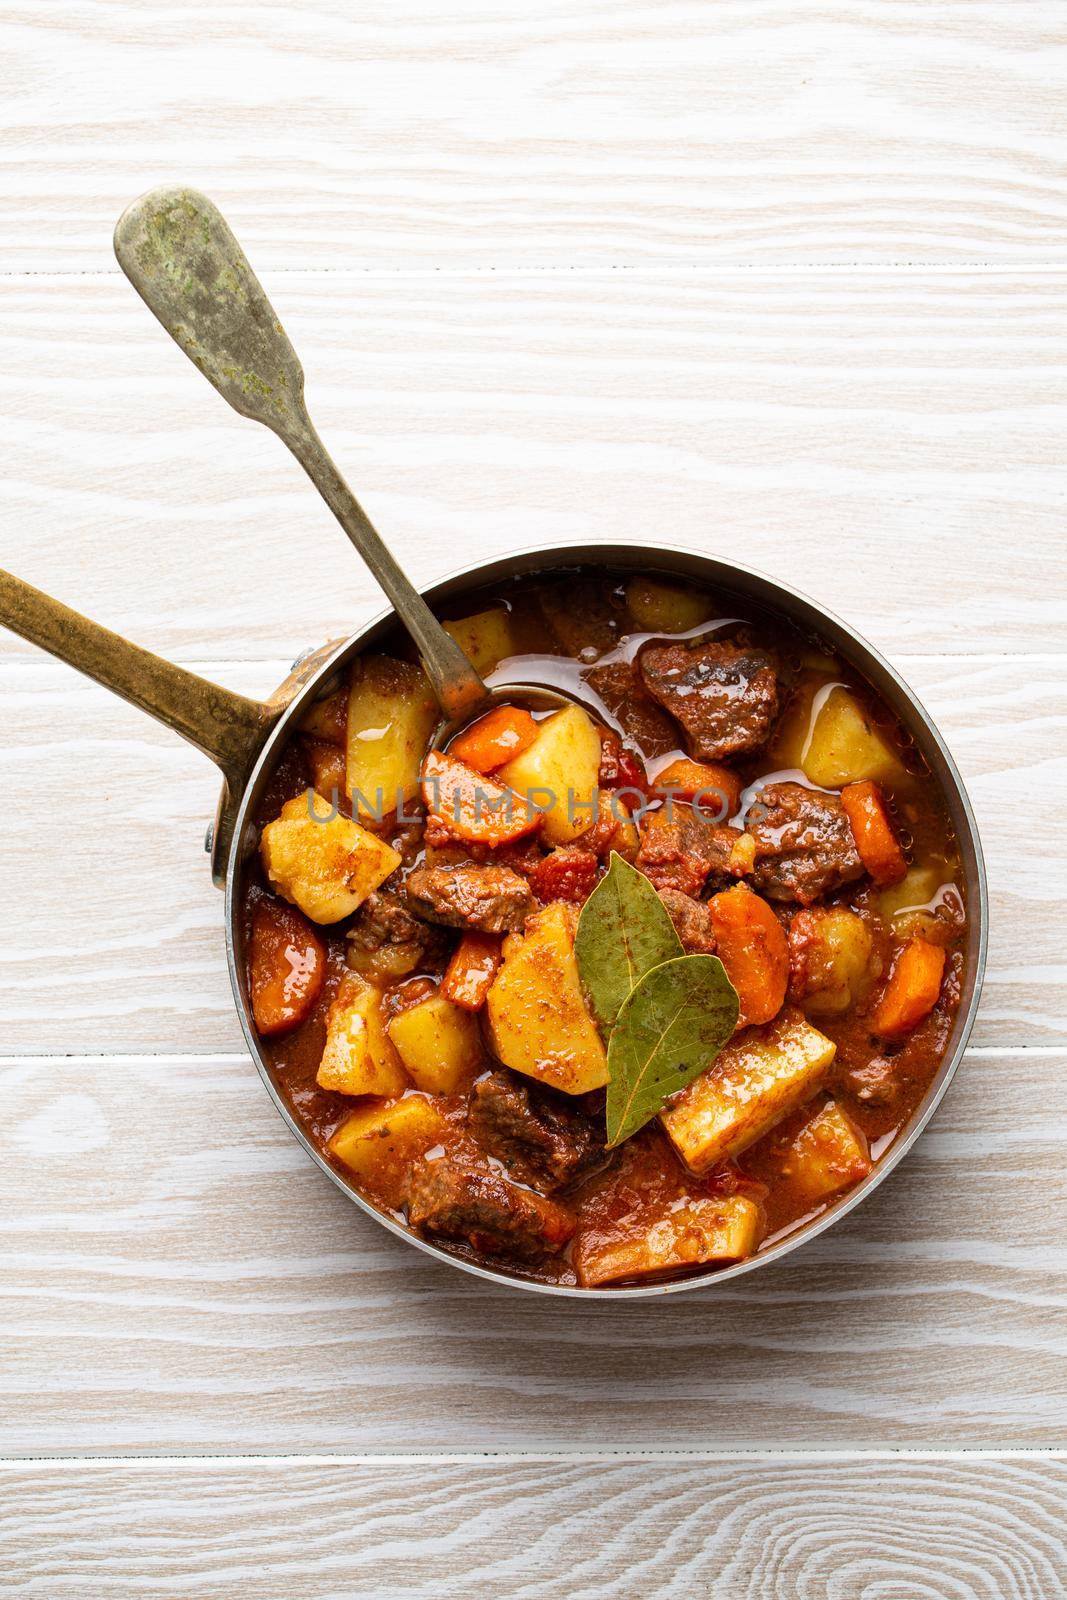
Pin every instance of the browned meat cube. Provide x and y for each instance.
(724, 695)
(692, 921)
(492, 899)
(804, 843)
(460, 1201)
(585, 616)
(545, 1144)
(627, 700)
(679, 849)
(387, 941)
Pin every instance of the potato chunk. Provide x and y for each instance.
(666, 607)
(379, 1144)
(325, 864)
(812, 1157)
(559, 771)
(758, 1079)
(485, 639)
(538, 1022)
(391, 717)
(359, 1057)
(830, 958)
(439, 1043)
(691, 1231)
(843, 746)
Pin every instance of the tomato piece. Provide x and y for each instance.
(752, 945)
(872, 828)
(470, 973)
(569, 873)
(466, 805)
(286, 966)
(502, 733)
(913, 987)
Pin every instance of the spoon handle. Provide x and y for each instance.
(181, 256)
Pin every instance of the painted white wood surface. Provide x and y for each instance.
(781, 279)
(576, 132)
(529, 1528)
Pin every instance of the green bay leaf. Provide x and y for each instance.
(667, 1032)
(623, 932)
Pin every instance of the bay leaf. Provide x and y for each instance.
(668, 1031)
(623, 931)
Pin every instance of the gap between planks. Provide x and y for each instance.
(827, 1453)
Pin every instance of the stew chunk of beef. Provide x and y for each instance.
(460, 1201)
(804, 843)
(724, 695)
(692, 921)
(545, 1145)
(627, 700)
(491, 899)
(680, 849)
(386, 940)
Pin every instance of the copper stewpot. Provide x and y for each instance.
(245, 738)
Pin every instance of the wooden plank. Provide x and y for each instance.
(891, 443)
(562, 135)
(175, 1275)
(668, 1528)
(113, 939)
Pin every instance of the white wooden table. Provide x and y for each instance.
(782, 280)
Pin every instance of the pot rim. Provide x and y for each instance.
(718, 573)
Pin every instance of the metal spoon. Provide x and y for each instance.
(181, 256)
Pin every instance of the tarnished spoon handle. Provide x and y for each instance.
(179, 253)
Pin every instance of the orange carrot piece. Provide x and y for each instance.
(286, 967)
(873, 831)
(913, 987)
(715, 785)
(468, 806)
(470, 973)
(504, 732)
(752, 946)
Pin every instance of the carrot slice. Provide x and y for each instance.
(872, 828)
(752, 946)
(470, 973)
(913, 987)
(468, 806)
(715, 785)
(504, 732)
(286, 967)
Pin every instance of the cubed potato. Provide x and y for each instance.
(359, 1057)
(327, 763)
(814, 1156)
(485, 639)
(843, 746)
(391, 718)
(757, 1080)
(327, 719)
(830, 953)
(659, 607)
(824, 1156)
(439, 1043)
(689, 1232)
(379, 1144)
(324, 863)
(559, 772)
(925, 903)
(538, 1021)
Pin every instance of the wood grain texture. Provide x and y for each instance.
(176, 1275)
(140, 964)
(892, 443)
(602, 1529)
(562, 135)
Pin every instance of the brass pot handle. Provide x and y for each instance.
(228, 727)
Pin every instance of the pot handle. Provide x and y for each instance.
(228, 727)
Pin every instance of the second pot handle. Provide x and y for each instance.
(228, 727)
